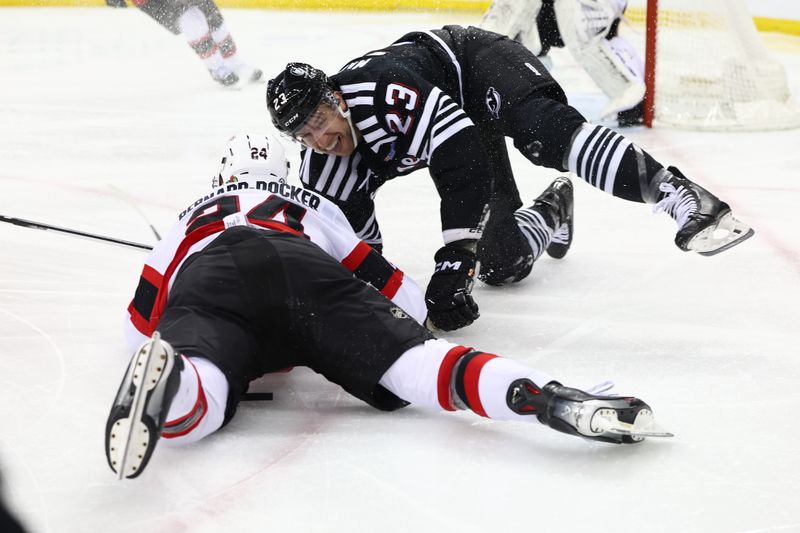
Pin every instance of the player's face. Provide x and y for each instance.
(328, 130)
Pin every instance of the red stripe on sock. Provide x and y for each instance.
(206, 37)
(356, 257)
(227, 47)
(445, 374)
(200, 404)
(472, 376)
(393, 285)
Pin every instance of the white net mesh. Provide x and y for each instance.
(713, 72)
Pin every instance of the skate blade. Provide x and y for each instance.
(726, 233)
(607, 421)
(131, 440)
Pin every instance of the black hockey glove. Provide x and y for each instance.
(449, 299)
(116, 3)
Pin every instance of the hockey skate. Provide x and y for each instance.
(248, 73)
(705, 223)
(558, 199)
(224, 76)
(614, 419)
(140, 408)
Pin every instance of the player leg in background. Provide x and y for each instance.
(441, 375)
(185, 18)
(223, 40)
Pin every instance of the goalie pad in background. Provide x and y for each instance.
(517, 19)
(587, 29)
(612, 63)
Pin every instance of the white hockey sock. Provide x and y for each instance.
(229, 52)
(414, 377)
(442, 375)
(536, 230)
(193, 24)
(198, 408)
(194, 27)
(225, 42)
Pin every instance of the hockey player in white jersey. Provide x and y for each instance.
(258, 278)
(589, 30)
(250, 190)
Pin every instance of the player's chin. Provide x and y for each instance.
(342, 147)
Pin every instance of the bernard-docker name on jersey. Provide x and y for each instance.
(300, 195)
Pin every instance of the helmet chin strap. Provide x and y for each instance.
(346, 115)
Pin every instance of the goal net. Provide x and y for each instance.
(706, 68)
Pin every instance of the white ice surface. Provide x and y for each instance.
(91, 99)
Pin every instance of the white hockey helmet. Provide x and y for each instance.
(251, 156)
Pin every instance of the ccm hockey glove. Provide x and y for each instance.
(449, 298)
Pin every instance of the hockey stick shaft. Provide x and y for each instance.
(39, 225)
(128, 200)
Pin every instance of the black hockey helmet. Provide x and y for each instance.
(294, 94)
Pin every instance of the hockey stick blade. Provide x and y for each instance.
(40, 225)
(606, 420)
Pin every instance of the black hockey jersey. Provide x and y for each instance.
(407, 102)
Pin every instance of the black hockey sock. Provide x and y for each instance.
(612, 163)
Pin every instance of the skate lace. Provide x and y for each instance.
(678, 203)
(561, 236)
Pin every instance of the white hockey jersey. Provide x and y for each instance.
(270, 204)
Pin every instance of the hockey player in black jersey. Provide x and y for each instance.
(446, 99)
(257, 276)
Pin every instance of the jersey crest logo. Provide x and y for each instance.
(407, 163)
(493, 102)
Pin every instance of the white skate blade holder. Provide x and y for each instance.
(606, 421)
(726, 233)
(130, 437)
